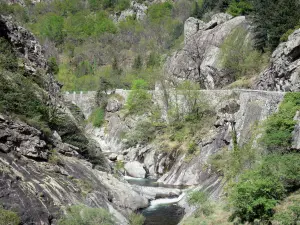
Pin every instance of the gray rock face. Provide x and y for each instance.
(284, 71)
(135, 169)
(19, 138)
(199, 59)
(136, 10)
(243, 110)
(30, 50)
(37, 188)
(39, 183)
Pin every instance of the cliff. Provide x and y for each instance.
(47, 161)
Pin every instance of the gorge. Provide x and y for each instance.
(147, 113)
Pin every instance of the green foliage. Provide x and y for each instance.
(55, 158)
(288, 211)
(136, 219)
(240, 7)
(207, 6)
(286, 35)
(197, 198)
(279, 126)
(139, 100)
(201, 200)
(8, 217)
(8, 58)
(158, 12)
(260, 189)
(80, 214)
(51, 26)
(97, 117)
(153, 60)
(19, 97)
(238, 57)
(18, 12)
(53, 66)
(144, 132)
(119, 165)
(138, 63)
(272, 18)
(255, 196)
(195, 105)
(192, 148)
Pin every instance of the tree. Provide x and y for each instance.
(51, 26)
(240, 7)
(138, 63)
(139, 100)
(272, 18)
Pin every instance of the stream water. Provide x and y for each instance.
(164, 211)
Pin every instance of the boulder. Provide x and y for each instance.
(152, 193)
(283, 74)
(135, 169)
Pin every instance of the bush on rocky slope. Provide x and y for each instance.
(80, 214)
(259, 190)
(8, 217)
(280, 125)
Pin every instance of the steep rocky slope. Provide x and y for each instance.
(284, 72)
(48, 165)
(199, 59)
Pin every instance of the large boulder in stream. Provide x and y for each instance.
(135, 169)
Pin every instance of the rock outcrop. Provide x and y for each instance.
(32, 53)
(242, 109)
(284, 71)
(199, 59)
(43, 171)
(39, 184)
(136, 10)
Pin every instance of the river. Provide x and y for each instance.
(164, 211)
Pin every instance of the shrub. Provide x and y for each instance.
(200, 199)
(136, 219)
(51, 26)
(139, 100)
(8, 217)
(255, 196)
(8, 58)
(54, 158)
(288, 212)
(238, 57)
(260, 189)
(286, 35)
(240, 7)
(144, 132)
(192, 148)
(53, 66)
(80, 214)
(197, 198)
(278, 127)
(157, 12)
(97, 117)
